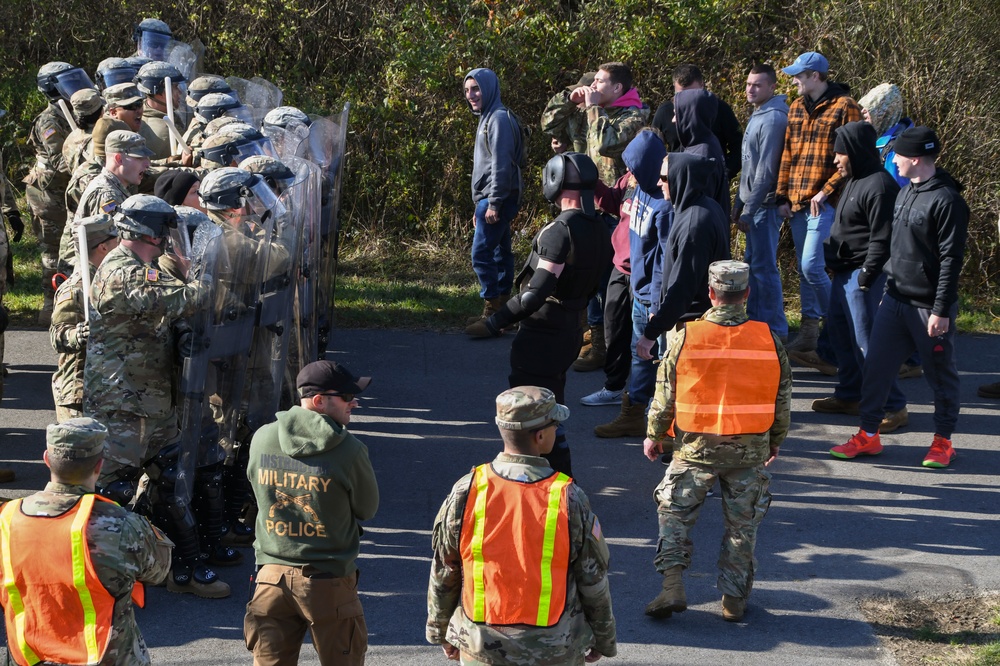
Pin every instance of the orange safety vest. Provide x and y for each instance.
(515, 549)
(727, 379)
(56, 608)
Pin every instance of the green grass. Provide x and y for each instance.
(987, 655)
(23, 299)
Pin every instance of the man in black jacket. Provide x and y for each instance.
(918, 310)
(857, 248)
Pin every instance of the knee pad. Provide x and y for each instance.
(123, 488)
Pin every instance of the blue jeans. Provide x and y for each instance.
(808, 233)
(766, 302)
(849, 322)
(492, 257)
(642, 382)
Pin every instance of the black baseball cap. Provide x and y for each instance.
(324, 376)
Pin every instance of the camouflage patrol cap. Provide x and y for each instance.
(99, 229)
(729, 276)
(127, 143)
(122, 94)
(75, 439)
(86, 101)
(283, 116)
(529, 408)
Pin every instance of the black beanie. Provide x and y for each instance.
(917, 142)
(174, 185)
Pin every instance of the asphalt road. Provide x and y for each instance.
(837, 531)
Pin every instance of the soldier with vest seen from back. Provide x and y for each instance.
(723, 399)
(520, 568)
(47, 538)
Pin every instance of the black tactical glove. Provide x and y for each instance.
(866, 278)
(14, 219)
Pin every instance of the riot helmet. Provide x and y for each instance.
(145, 215)
(570, 171)
(205, 84)
(151, 79)
(230, 188)
(215, 105)
(46, 80)
(152, 37)
(274, 172)
(112, 71)
(286, 116)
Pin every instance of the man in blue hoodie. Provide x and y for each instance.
(496, 188)
(314, 483)
(755, 211)
(648, 216)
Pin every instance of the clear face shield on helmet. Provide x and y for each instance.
(154, 45)
(261, 146)
(72, 80)
(263, 203)
(112, 77)
(241, 113)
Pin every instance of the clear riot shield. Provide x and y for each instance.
(259, 94)
(276, 326)
(183, 57)
(288, 142)
(327, 148)
(201, 254)
(72, 80)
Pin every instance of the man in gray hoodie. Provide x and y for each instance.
(496, 188)
(755, 211)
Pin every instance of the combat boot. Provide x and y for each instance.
(198, 580)
(630, 422)
(733, 608)
(671, 598)
(805, 341)
(593, 358)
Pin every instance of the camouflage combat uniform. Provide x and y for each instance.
(124, 549)
(587, 620)
(699, 459)
(605, 132)
(154, 131)
(103, 194)
(77, 149)
(130, 356)
(67, 380)
(45, 189)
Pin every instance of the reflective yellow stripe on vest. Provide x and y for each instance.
(479, 592)
(10, 583)
(548, 547)
(76, 535)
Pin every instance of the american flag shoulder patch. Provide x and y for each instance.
(596, 529)
(152, 275)
(109, 207)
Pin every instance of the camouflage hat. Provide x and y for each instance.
(86, 102)
(152, 76)
(271, 168)
(529, 408)
(283, 116)
(215, 126)
(204, 84)
(127, 143)
(99, 229)
(729, 275)
(122, 94)
(75, 439)
(585, 81)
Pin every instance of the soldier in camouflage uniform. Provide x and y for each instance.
(126, 379)
(568, 130)
(527, 417)
(729, 450)
(88, 107)
(151, 82)
(69, 330)
(124, 548)
(613, 114)
(47, 180)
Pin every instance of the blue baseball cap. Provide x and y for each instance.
(809, 60)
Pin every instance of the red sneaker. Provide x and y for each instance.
(859, 445)
(941, 453)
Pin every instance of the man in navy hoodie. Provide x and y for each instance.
(694, 112)
(496, 188)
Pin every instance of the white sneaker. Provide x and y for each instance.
(602, 397)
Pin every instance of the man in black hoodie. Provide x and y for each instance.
(698, 236)
(694, 112)
(855, 252)
(918, 310)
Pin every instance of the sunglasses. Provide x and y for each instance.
(135, 106)
(663, 177)
(346, 397)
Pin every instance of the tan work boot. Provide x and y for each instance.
(593, 358)
(733, 608)
(490, 305)
(805, 341)
(811, 359)
(630, 422)
(671, 598)
(893, 421)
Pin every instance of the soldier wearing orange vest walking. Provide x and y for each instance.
(723, 400)
(50, 539)
(520, 569)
